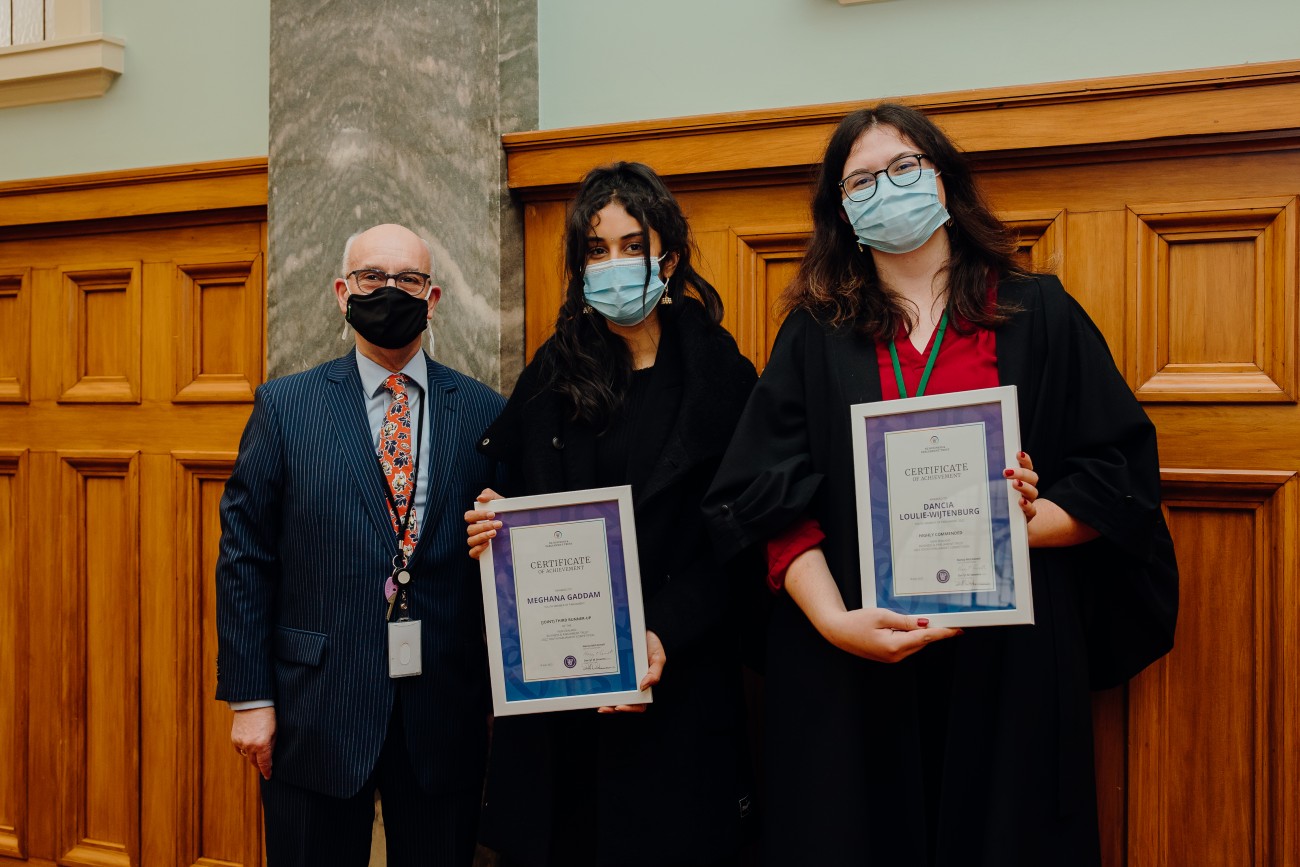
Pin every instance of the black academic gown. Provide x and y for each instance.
(985, 758)
(669, 783)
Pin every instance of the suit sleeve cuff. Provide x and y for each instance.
(251, 704)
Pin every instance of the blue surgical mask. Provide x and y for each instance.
(617, 289)
(898, 219)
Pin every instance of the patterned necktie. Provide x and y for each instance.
(396, 459)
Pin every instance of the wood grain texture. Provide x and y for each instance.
(104, 718)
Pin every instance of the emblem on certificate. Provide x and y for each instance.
(940, 531)
(562, 602)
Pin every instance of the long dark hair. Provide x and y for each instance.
(589, 365)
(839, 282)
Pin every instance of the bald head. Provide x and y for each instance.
(389, 242)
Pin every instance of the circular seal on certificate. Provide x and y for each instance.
(570, 662)
(942, 576)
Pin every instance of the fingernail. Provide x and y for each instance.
(1008, 473)
(1021, 454)
(1018, 483)
(922, 621)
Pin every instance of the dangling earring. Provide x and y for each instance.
(860, 248)
(586, 308)
(665, 300)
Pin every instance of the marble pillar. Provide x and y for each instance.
(392, 111)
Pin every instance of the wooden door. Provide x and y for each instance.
(129, 351)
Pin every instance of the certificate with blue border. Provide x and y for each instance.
(562, 603)
(940, 531)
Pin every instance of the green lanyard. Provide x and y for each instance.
(929, 365)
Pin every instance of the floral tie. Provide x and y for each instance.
(396, 460)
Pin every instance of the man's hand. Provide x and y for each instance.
(253, 735)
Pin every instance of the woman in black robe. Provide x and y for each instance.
(639, 388)
(886, 745)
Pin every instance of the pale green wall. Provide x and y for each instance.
(613, 60)
(194, 89)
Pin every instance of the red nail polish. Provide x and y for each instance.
(1008, 473)
(1021, 454)
(922, 621)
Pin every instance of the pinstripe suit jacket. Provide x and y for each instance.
(306, 545)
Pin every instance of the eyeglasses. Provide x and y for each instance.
(412, 282)
(902, 172)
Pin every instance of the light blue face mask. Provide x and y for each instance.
(617, 290)
(898, 219)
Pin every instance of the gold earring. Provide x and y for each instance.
(665, 299)
(586, 308)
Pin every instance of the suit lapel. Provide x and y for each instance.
(347, 411)
(442, 430)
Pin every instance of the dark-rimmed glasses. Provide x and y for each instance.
(411, 282)
(902, 171)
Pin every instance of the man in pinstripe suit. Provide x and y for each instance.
(310, 560)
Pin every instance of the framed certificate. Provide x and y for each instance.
(562, 601)
(940, 531)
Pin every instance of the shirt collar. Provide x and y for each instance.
(373, 375)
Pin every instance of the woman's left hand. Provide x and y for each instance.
(657, 658)
(1025, 481)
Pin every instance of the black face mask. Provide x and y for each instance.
(388, 317)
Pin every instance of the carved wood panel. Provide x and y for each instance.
(112, 749)
(15, 335)
(13, 646)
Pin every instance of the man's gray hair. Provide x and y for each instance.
(347, 251)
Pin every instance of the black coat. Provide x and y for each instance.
(857, 768)
(669, 781)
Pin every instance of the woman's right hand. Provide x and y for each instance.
(482, 526)
(872, 633)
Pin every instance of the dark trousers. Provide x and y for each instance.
(308, 829)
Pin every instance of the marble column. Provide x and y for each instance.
(392, 111)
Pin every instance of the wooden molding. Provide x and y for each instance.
(1121, 110)
(101, 347)
(15, 335)
(240, 324)
(188, 188)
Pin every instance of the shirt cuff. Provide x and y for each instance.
(250, 705)
(782, 550)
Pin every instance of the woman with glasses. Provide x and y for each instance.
(639, 385)
(890, 740)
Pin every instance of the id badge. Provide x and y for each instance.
(404, 648)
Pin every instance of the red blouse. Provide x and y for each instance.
(966, 361)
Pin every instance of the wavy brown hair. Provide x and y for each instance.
(588, 364)
(838, 282)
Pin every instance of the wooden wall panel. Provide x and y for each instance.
(1178, 235)
(219, 322)
(1215, 284)
(13, 653)
(101, 337)
(220, 816)
(15, 335)
(145, 345)
(99, 808)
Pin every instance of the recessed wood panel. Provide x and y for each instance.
(766, 261)
(220, 820)
(13, 653)
(100, 767)
(15, 335)
(219, 322)
(1040, 240)
(1215, 284)
(101, 334)
(1205, 745)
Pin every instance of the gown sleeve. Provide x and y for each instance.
(767, 479)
